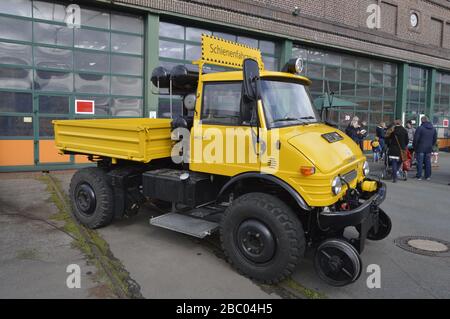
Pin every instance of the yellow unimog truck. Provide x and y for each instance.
(247, 156)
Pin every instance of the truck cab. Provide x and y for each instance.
(294, 145)
(249, 157)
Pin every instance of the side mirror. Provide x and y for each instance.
(324, 116)
(251, 84)
(250, 90)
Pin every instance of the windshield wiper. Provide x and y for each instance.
(286, 119)
(294, 119)
(307, 118)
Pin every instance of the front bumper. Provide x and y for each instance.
(365, 215)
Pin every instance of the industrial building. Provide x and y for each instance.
(94, 60)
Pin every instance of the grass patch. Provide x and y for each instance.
(298, 288)
(109, 269)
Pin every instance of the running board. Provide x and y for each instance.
(185, 224)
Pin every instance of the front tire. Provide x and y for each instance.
(262, 237)
(92, 197)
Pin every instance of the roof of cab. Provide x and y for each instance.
(237, 76)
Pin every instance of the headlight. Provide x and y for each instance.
(336, 185)
(366, 169)
(294, 66)
(299, 65)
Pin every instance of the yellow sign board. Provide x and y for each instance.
(226, 53)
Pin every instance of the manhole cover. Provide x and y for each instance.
(428, 245)
(422, 245)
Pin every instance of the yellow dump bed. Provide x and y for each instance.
(136, 139)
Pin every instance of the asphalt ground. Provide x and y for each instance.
(35, 249)
(140, 260)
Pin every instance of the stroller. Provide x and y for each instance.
(386, 173)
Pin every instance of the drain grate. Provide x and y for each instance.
(422, 245)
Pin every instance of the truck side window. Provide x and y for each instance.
(221, 103)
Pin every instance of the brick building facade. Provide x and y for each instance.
(336, 23)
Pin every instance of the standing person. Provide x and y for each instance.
(397, 140)
(376, 148)
(435, 155)
(362, 134)
(353, 129)
(424, 139)
(380, 132)
(411, 131)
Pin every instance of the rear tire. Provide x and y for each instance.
(92, 197)
(262, 237)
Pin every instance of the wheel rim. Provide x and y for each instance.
(255, 241)
(85, 199)
(337, 263)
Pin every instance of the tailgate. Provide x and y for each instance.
(132, 139)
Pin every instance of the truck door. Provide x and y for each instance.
(221, 142)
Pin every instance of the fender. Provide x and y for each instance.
(300, 201)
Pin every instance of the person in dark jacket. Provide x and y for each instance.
(362, 134)
(424, 139)
(397, 140)
(353, 129)
(380, 132)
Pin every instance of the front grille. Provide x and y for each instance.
(350, 176)
(272, 163)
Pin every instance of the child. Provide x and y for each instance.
(376, 148)
(435, 155)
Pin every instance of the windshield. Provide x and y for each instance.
(287, 103)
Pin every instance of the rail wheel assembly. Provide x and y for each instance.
(337, 262)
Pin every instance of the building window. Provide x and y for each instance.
(179, 44)
(417, 93)
(16, 102)
(441, 111)
(41, 56)
(368, 83)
